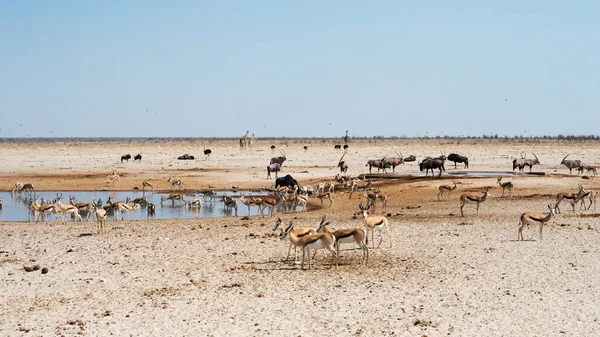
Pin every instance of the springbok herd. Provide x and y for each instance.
(287, 195)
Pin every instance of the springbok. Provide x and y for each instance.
(300, 231)
(532, 218)
(349, 235)
(174, 183)
(572, 199)
(373, 222)
(447, 188)
(473, 199)
(307, 242)
(505, 186)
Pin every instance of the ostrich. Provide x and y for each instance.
(207, 153)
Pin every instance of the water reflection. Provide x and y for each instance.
(16, 206)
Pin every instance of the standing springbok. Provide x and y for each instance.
(505, 186)
(532, 218)
(571, 198)
(101, 218)
(473, 199)
(348, 235)
(307, 242)
(67, 208)
(326, 195)
(591, 195)
(299, 232)
(230, 203)
(373, 222)
(447, 188)
(174, 183)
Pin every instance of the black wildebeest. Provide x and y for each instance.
(279, 160)
(374, 162)
(343, 165)
(138, 157)
(275, 167)
(522, 162)
(126, 157)
(286, 181)
(456, 158)
(571, 164)
(410, 158)
(186, 157)
(432, 163)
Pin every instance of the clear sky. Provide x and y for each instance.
(298, 68)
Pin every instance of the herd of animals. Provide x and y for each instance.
(289, 195)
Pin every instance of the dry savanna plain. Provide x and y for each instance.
(444, 274)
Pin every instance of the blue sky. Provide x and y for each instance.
(298, 69)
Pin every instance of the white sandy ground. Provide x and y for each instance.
(445, 275)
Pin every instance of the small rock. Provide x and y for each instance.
(28, 268)
(45, 270)
(36, 267)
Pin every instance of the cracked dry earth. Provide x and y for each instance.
(444, 275)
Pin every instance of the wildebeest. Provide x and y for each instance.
(571, 164)
(279, 160)
(138, 157)
(432, 163)
(458, 159)
(275, 167)
(185, 157)
(374, 162)
(522, 162)
(343, 165)
(286, 181)
(337, 146)
(126, 157)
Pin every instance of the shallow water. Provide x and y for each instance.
(16, 207)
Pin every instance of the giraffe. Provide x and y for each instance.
(346, 138)
(244, 140)
(251, 140)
